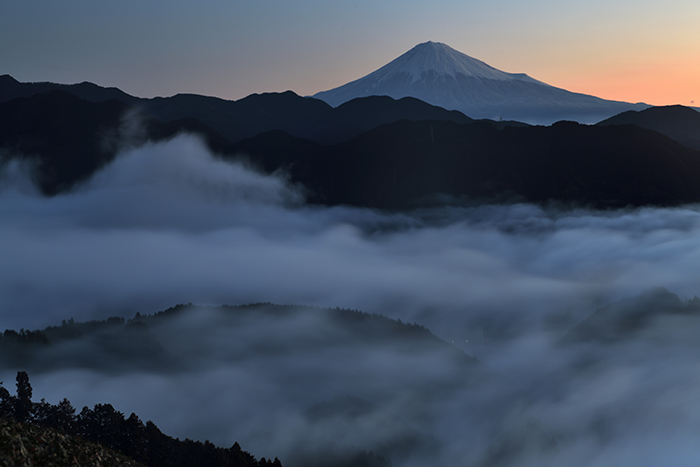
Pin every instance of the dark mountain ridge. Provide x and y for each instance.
(72, 138)
(408, 164)
(675, 121)
(399, 165)
(10, 89)
(236, 120)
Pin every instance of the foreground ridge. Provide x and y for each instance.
(44, 434)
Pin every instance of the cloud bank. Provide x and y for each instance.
(171, 223)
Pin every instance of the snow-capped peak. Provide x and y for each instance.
(441, 59)
(440, 75)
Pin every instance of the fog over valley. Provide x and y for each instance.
(518, 369)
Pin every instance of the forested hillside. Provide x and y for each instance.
(60, 440)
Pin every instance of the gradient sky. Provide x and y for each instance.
(635, 51)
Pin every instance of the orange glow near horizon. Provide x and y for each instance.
(656, 78)
(652, 85)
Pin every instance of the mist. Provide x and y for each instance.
(172, 223)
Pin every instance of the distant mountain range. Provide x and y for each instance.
(676, 121)
(440, 75)
(408, 164)
(373, 152)
(236, 120)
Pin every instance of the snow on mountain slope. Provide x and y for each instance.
(443, 76)
(437, 59)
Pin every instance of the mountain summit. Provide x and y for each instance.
(435, 60)
(443, 76)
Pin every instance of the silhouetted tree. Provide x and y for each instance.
(23, 402)
(135, 441)
(60, 417)
(103, 424)
(7, 403)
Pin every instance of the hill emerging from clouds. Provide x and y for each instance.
(440, 75)
(333, 374)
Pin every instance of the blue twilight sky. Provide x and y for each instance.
(644, 50)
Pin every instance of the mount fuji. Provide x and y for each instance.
(440, 75)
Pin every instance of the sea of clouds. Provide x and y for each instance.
(171, 223)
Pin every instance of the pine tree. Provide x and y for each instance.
(23, 403)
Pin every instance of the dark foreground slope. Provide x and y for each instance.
(26, 444)
(39, 433)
